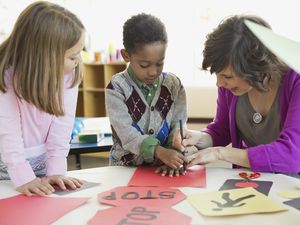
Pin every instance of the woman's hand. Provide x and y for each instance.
(64, 182)
(229, 154)
(190, 150)
(37, 186)
(205, 156)
(165, 170)
(191, 137)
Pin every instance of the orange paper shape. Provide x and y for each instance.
(145, 176)
(150, 196)
(36, 210)
(140, 215)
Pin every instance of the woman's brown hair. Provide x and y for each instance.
(35, 51)
(233, 44)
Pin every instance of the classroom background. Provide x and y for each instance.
(187, 23)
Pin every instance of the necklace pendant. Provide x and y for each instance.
(257, 118)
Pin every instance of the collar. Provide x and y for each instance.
(139, 83)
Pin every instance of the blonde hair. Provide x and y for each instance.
(35, 51)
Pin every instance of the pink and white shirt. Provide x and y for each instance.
(26, 132)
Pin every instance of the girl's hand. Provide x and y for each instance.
(172, 158)
(165, 170)
(64, 182)
(37, 186)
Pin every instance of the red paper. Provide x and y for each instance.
(150, 196)
(36, 210)
(145, 176)
(125, 215)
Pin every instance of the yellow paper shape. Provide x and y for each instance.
(239, 201)
(286, 49)
(289, 194)
(84, 56)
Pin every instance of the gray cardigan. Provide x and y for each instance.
(133, 120)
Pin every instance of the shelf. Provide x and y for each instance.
(104, 64)
(91, 97)
(93, 76)
(79, 109)
(94, 104)
(95, 89)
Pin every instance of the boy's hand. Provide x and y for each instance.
(170, 157)
(165, 170)
(177, 140)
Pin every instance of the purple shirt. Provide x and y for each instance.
(24, 129)
(281, 155)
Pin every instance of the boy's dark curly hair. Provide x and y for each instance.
(143, 29)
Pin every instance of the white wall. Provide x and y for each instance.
(187, 24)
(201, 101)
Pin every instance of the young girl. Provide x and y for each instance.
(144, 104)
(39, 76)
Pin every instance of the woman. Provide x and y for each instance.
(258, 104)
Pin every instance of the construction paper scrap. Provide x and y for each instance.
(150, 196)
(286, 49)
(140, 215)
(36, 210)
(261, 186)
(145, 176)
(289, 194)
(295, 203)
(233, 202)
(86, 185)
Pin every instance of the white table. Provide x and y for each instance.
(111, 177)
